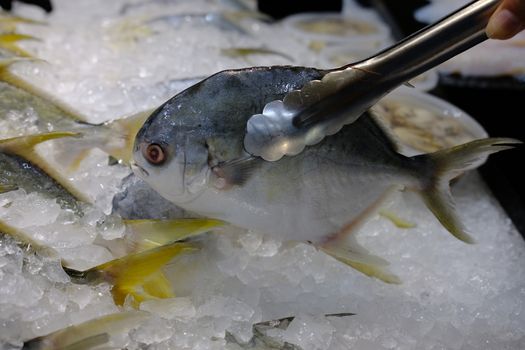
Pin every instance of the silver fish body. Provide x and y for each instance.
(313, 196)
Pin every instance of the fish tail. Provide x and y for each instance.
(115, 138)
(446, 165)
(121, 135)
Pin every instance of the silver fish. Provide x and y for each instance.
(190, 150)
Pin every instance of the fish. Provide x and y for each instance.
(261, 340)
(140, 254)
(190, 150)
(114, 137)
(90, 334)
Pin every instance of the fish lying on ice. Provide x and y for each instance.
(143, 251)
(91, 334)
(190, 150)
(114, 137)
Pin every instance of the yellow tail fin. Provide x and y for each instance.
(443, 166)
(124, 130)
(116, 138)
(24, 147)
(136, 275)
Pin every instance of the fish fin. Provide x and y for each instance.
(153, 233)
(88, 343)
(344, 247)
(235, 52)
(408, 84)
(235, 172)
(17, 19)
(119, 143)
(8, 188)
(396, 220)
(10, 78)
(380, 129)
(115, 138)
(361, 260)
(447, 164)
(8, 41)
(130, 274)
(88, 334)
(24, 147)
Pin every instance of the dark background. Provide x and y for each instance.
(496, 103)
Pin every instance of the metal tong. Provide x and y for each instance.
(322, 107)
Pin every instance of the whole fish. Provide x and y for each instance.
(190, 150)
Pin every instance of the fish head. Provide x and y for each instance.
(171, 155)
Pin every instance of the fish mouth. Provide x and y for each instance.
(135, 166)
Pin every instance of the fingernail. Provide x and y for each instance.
(503, 25)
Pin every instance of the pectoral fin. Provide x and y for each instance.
(235, 172)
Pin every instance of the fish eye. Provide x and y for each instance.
(154, 154)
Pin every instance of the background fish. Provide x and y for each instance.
(191, 151)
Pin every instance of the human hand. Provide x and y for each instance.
(508, 20)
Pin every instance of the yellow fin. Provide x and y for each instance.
(396, 220)
(116, 138)
(91, 333)
(445, 165)
(24, 147)
(247, 51)
(365, 263)
(8, 41)
(154, 233)
(138, 275)
(124, 131)
(8, 188)
(9, 23)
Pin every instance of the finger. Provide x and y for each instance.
(507, 20)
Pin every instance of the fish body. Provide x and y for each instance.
(190, 150)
